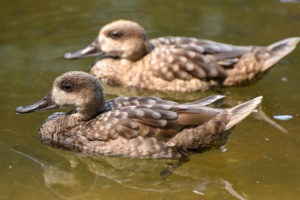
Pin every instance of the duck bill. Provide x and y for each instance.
(43, 104)
(91, 50)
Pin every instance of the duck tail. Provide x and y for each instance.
(212, 100)
(280, 49)
(241, 111)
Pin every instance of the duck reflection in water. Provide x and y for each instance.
(73, 176)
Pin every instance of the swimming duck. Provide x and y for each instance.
(145, 127)
(180, 64)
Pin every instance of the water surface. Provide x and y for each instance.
(262, 158)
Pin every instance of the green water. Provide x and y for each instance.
(261, 161)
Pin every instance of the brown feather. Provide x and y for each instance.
(143, 127)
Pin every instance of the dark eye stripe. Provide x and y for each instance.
(71, 85)
(68, 87)
(115, 34)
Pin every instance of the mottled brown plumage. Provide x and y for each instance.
(176, 63)
(145, 127)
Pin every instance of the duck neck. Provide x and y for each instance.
(87, 113)
(92, 107)
(144, 49)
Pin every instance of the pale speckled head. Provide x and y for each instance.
(122, 38)
(76, 90)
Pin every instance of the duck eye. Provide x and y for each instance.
(115, 34)
(67, 87)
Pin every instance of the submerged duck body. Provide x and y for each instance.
(183, 64)
(145, 127)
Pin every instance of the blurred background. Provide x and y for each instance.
(262, 156)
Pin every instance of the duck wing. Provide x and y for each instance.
(135, 101)
(159, 118)
(186, 58)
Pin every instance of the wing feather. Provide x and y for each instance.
(147, 116)
(187, 58)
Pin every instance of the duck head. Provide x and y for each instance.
(119, 39)
(79, 91)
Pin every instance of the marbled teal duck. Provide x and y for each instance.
(145, 127)
(180, 64)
